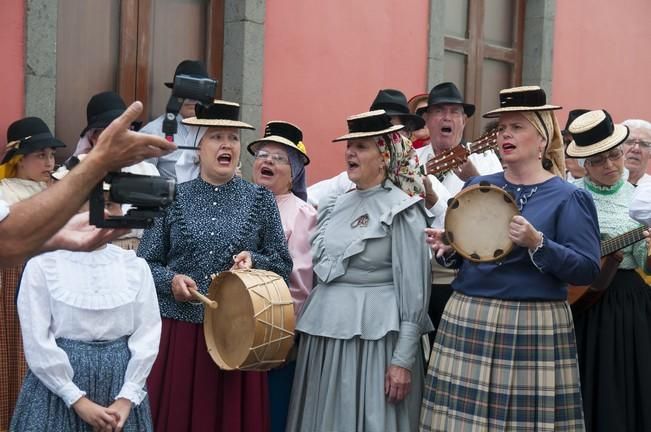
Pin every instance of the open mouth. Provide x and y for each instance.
(266, 172)
(508, 147)
(446, 130)
(352, 165)
(224, 159)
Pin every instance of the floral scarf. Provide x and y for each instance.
(401, 163)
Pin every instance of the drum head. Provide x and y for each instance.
(229, 329)
(477, 223)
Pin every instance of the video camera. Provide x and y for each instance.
(147, 195)
(186, 87)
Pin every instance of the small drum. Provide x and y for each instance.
(252, 327)
(477, 222)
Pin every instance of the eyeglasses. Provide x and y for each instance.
(276, 158)
(600, 160)
(646, 145)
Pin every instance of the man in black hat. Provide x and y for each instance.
(166, 164)
(34, 225)
(446, 115)
(394, 103)
(573, 170)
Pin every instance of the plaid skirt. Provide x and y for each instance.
(503, 365)
(12, 359)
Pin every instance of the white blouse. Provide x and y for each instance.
(88, 296)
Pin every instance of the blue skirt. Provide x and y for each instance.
(99, 369)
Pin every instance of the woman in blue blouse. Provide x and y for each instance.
(504, 357)
(218, 221)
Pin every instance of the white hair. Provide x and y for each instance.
(638, 124)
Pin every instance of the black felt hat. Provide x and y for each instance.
(446, 93)
(394, 103)
(28, 135)
(193, 68)
(102, 109)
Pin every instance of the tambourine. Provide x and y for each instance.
(477, 222)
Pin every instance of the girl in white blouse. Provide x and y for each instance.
(91, 328)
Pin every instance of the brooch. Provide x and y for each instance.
(361, 221)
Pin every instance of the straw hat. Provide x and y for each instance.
(284, 133)
(368, 124)
(415, 100)
(519, 99)
(219, 114)
(594, 132)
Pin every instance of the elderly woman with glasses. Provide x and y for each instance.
(613, 335)
(280, 159)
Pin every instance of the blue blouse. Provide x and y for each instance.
(201, 231)
(570, 253)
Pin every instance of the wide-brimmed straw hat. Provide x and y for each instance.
(394, 103)
(284, 133)
(193, 68)
(218, 114)
(28, 135)
(571, 116)
(446, 94)
(594, 132)
(522, 99)
(368, 124)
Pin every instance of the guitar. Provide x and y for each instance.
(581, 297)
(459, 154)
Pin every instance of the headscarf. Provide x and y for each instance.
(547, 126)
(298, 173)
(10, 169)
(187, 165)
(401, 162)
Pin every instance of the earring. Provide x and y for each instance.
(539, 154)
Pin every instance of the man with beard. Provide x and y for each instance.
(637, 149)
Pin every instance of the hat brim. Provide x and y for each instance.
(619, 135)
(102, 121)
(31, 147)
(417, 121)
(279, 140)
(468, 109)
(357, 135)
(496, 112)
(193, 121)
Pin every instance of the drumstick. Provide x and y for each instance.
(202, 298)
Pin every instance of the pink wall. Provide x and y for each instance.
(602, 57)
(326, 60)
(12, 47)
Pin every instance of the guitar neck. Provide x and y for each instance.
(621, 241)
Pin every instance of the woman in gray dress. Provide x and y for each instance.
(359, 365)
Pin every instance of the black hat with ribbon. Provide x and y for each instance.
(193, 68)
(28, 135)
(220, 113)
(446, 93)
(102, 109)
(368, 124)
(522, 99)
(284, 133)
(394, 103)
(594, 132)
